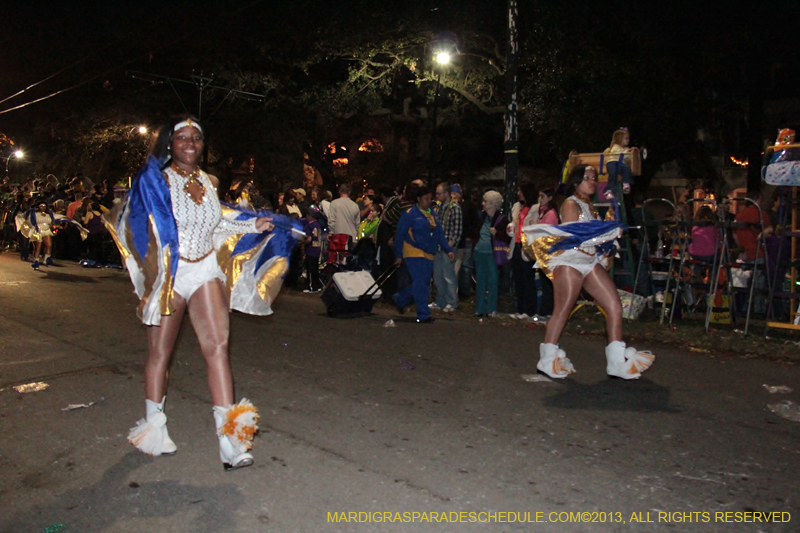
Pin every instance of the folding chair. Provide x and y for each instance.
(683, 279)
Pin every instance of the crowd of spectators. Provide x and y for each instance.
(360, 231)
(473, 226)
(77, 199)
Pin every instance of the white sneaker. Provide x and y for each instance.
(514, 316)
(539, 319)
(236, 427)
(150, 434)
(553, 361)
(522, 316)
(627, 363)
(449, 308)
(494, 315)
(434, 306)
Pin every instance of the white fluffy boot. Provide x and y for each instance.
(627, 363)
(236, 426)
(553, 361)
(150, 434)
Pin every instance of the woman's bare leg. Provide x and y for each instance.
(600, 285)
(567, 284)
(37, 247)
(48, 244)
(209, 311)
(161, 343)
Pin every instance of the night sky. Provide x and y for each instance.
(717, 50)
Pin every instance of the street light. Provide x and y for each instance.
(443, 58)
(143, 130)
(18, 154)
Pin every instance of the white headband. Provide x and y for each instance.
(188, 123)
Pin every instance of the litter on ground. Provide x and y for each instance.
(536, 378)
(777, 389)
(73, 406)
(786, 409)
(31, 387)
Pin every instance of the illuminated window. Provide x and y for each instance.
(371, 145)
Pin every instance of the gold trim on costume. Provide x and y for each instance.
(108, 219)
(232, 266)
(541, 250)
(211, 251)
(166, 296)
(269, 279)
(226, 210)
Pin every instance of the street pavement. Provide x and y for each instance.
(356, 417)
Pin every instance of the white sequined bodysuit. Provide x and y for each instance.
(43, 222)
(196, 223)
(587, 215)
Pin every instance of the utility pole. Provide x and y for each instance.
(201, 82)
(511, 146)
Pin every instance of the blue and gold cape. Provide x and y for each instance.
(144, 229)
(545, 242)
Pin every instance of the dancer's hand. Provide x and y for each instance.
(451, 256)
(264, 224)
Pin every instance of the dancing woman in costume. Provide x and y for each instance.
(188, 252)
(576, 255)
(37, 226)
(39, 230)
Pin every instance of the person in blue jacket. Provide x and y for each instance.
(418, 238)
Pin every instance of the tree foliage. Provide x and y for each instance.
(347, 72)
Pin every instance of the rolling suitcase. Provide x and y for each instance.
(353, 292)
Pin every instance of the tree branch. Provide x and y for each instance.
(475, 101)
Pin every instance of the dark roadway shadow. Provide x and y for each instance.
(114, 497)
(71, 278)
(613, 395)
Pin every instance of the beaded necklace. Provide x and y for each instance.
(588, 202)
(192, 177)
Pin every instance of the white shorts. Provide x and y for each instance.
(37, 236)
(192, 276)
(583, 263)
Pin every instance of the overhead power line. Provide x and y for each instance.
(201, 83)
(54, 75)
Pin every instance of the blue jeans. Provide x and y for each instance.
(467, 267)
(420, 288)
(614, 168)
(444, 277)
(488, 277)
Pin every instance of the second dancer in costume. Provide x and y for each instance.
(576, 255)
